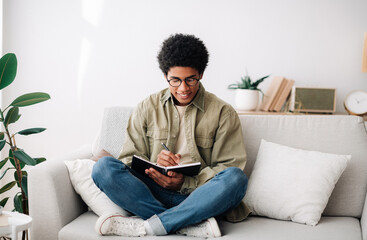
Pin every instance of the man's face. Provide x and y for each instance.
(184, 93)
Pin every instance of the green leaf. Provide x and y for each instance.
(3, 162)
(12, 161)
(255, 84)
(30, 99)
(2, 135)
(3, 174)
(30, 131)
(24, 185)
(2, 144)
(25, 158)
(8, 69)
(12, 116)
(18, 203)
(39, 160)
(4, 201)
(24, 173)
(7, 187)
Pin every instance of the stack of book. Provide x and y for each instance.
(277, 94)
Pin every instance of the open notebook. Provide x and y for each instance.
(139, 164)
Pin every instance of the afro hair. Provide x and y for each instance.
(182, 50)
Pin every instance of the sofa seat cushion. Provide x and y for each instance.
(261, 228)
(254, 228)
(82, 228)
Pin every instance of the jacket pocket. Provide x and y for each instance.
(204, 142)
(205, 145)
(155, 138)
(157, 134)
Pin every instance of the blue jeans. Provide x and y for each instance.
(168, 211)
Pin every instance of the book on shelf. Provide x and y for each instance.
(139, 164)
(283, 95)
(277, 95)
(271, 93)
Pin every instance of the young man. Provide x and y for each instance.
(196, 126)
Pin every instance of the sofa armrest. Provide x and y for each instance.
(53, 203)
(364, 220)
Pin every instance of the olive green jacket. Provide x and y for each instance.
(213, 133)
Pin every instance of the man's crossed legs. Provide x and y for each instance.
(164, 211)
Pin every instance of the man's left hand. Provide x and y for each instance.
(173, 181)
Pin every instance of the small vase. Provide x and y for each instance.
(246, 100)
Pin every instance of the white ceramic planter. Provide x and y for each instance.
(246, 100)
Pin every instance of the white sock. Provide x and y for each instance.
(148, 228)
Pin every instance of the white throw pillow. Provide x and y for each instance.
(293, 184)
(80, 171)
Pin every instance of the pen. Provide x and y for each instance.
(165, 147)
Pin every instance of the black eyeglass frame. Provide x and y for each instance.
(186, 79)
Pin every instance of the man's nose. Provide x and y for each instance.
(183, 86)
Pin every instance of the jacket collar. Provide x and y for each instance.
(198, 101)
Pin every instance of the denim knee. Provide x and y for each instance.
(100, 169)
(236, 179)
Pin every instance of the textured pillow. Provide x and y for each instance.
(80, 171)
(293, 184)
(113, 129)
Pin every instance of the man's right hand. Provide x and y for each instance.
(166, 158)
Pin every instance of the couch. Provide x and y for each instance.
(58, 212)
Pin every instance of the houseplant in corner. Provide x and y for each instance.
(17, 157)
(247, 93)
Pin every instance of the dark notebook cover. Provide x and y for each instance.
(139, 165)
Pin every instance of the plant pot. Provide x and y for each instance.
(246, 100)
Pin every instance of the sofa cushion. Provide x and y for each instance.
(339, 134)
(293, 184)
(82, 228)
(254, 228)
(112, 133)
(80, 172)
(261, 228)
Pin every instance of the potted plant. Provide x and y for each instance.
(17, 158)
(247, 93)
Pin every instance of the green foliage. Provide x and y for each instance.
(3, 162)
(17, 157)
(247, 83)
(3, 173)
(18, 202)
(7, 186)
(4, 201)
(2, 144)
(25, 158)
(30, 99)
(8, 69)
(12, 116)
(30, 131)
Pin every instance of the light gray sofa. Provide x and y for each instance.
(59, 213)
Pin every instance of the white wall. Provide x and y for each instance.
(93, 53)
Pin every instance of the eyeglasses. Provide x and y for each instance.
(176, 82)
